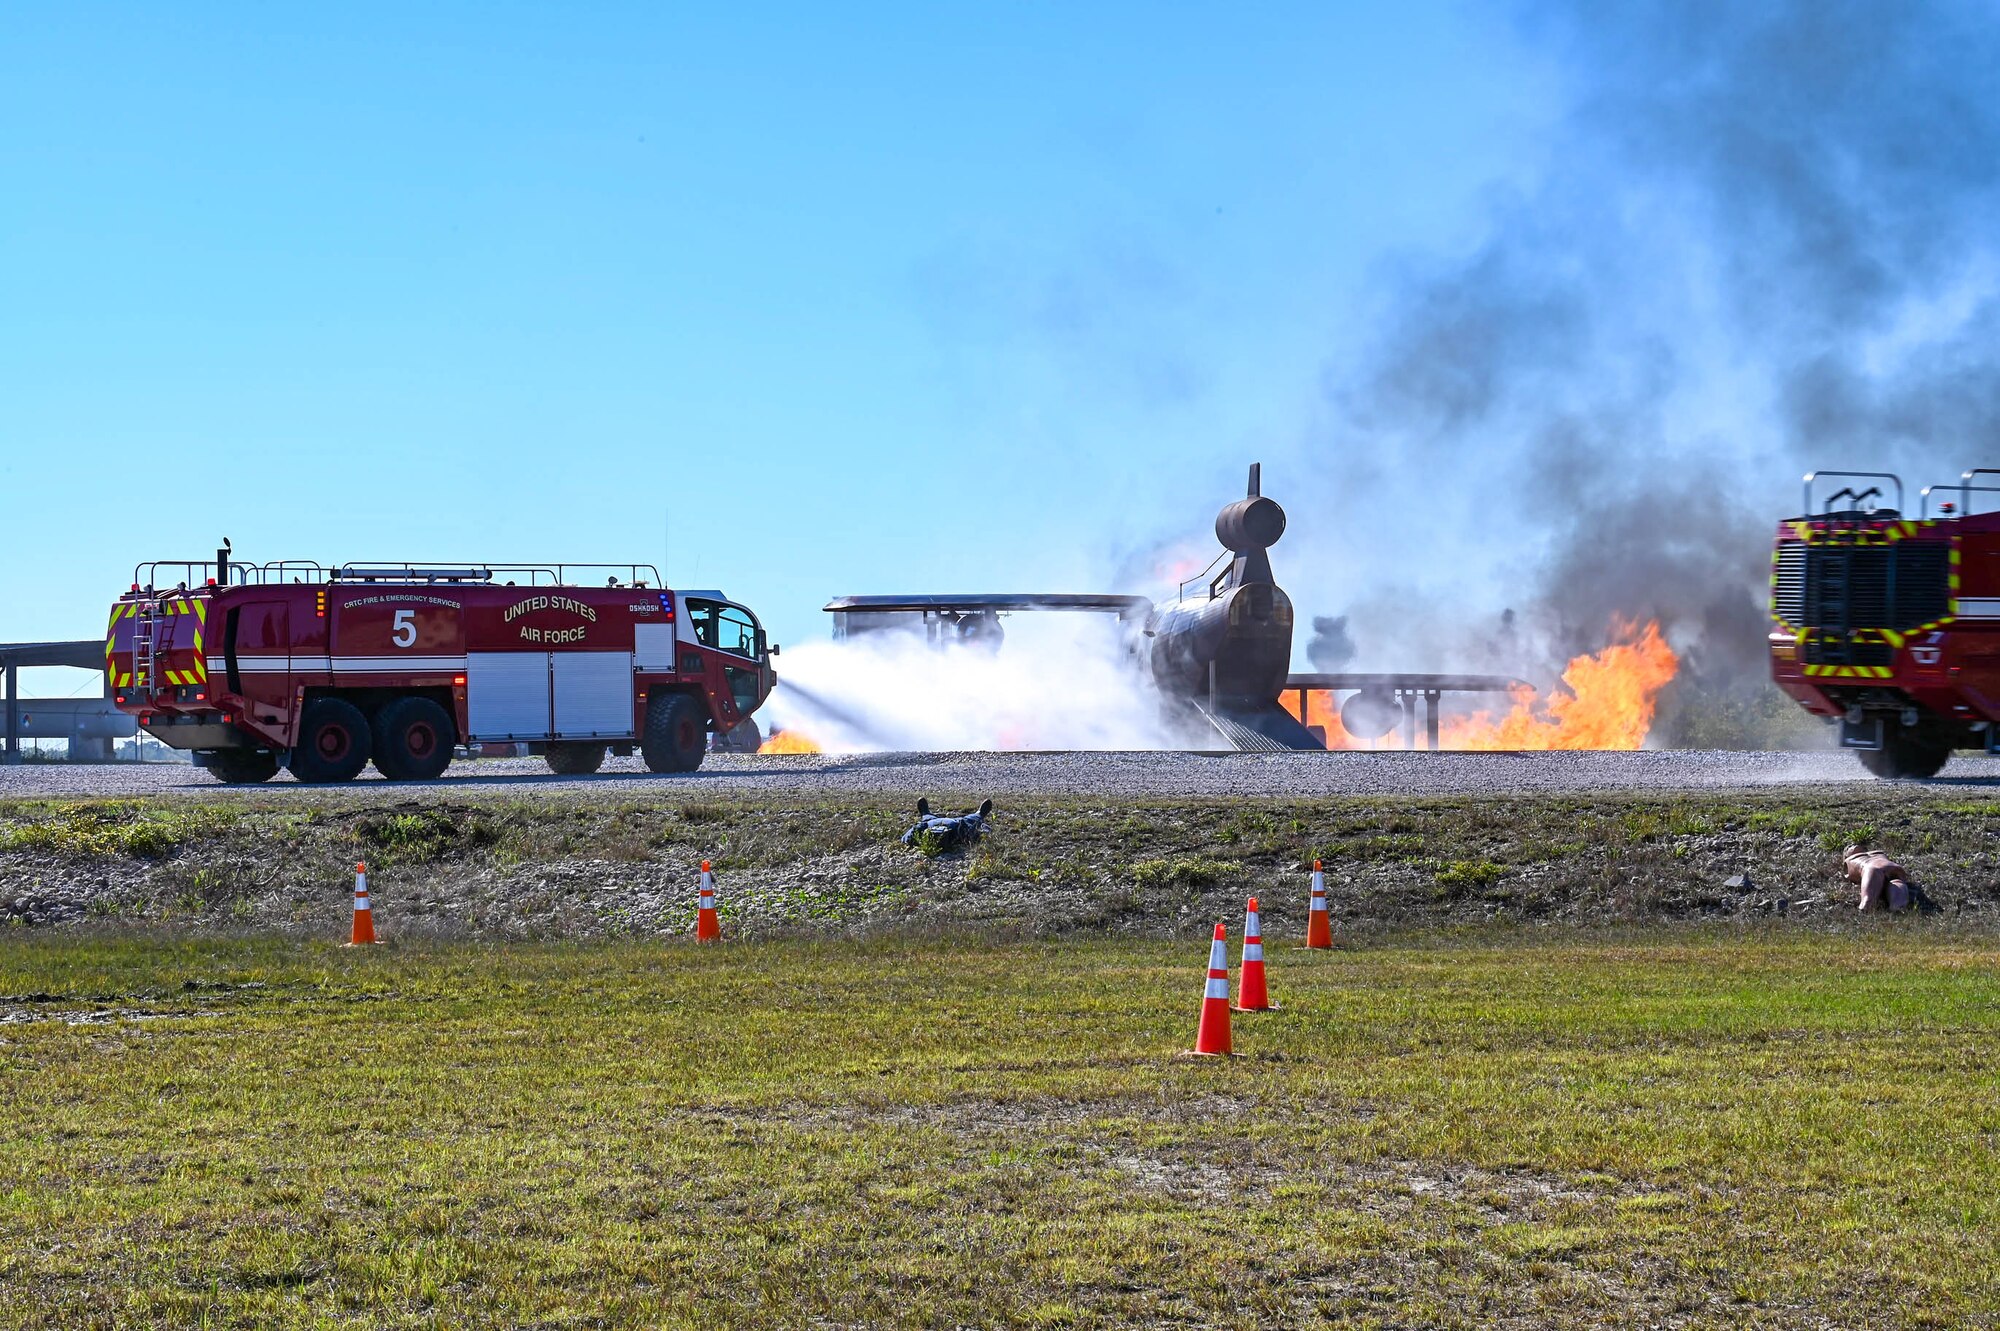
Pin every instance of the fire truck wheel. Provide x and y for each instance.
(413, 739)
(1902, 755)
(575, 759)
(242, 767)
(676, 733)
(333, 742)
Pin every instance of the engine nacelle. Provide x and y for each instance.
(1250, 524)
(1370, 714)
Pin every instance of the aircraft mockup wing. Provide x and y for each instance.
(955, 604)
(1408, 683)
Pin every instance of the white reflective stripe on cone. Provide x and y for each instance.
(360, 904)
(1319, 881)
(708, 882)
(1218, 987)
(1319, 901)
(1253, 951)
(1253, 926)
(1218, 956)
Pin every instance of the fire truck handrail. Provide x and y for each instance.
(1964, 500)
(562, 575)
(194, 574)
(1966, 487)
(407, 573)
(1812, 476)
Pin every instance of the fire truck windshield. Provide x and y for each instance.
(726, 628)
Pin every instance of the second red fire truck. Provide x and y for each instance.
(254, 667)
(1888, 625)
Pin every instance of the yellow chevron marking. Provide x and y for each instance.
(1848, 672)
(1892, 638)
(201, 611)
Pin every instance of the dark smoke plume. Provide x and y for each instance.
(1763, 242)
(1330, 649)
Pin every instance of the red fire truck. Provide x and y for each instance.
(1890, 625)
(256, 666)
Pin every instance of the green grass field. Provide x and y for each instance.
(1678, 1128)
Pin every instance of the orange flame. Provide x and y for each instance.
(1610, 704)
(789, 741)
(1320, 711)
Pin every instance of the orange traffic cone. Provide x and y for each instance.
(364, 918)
(1319, 929)
(1251, 995)
(1213, 1035)
(707, 928)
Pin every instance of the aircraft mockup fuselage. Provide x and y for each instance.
(1232, 642)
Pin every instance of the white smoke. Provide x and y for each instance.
(1060, 681)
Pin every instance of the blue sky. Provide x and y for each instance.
(844, 299)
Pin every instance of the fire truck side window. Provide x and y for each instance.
(736, 632)
(726, 628)
(701, 618)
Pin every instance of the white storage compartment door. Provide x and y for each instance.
(507, 695)
(653, 647)
(593, 694)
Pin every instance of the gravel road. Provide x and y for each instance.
(954, 775)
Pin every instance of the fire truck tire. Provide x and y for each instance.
(676, 733)
(575, 759)
(1903, 756)
(413, 739)
(242, 767)
(334, 743)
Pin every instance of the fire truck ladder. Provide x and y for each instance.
(145, 645)
(1836, 605)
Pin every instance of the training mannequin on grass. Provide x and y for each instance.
(935, 833)
(1876, 873)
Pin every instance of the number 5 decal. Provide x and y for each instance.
(406, 628)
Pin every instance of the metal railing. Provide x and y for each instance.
(1180, 593)
(1964, 492)
(159, 575)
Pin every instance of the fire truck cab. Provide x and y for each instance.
(253, 667)
(1889, 626)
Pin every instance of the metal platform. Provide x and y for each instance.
(85, 720)
(1408, 691)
